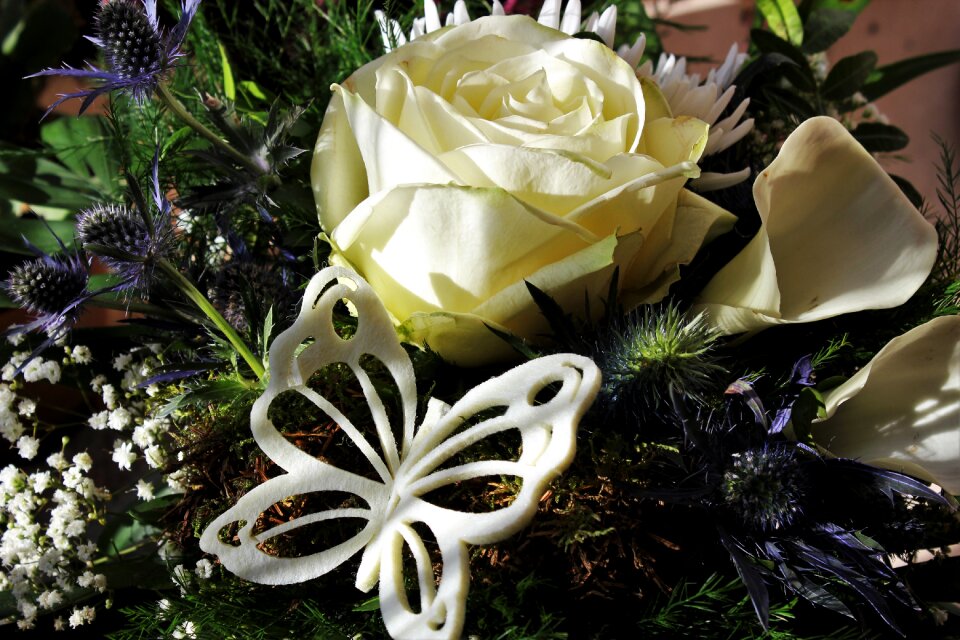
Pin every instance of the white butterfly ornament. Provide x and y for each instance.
(395, 501)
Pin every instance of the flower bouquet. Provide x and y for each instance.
(521, 329)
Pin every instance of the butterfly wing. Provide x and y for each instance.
(246, 552)
(547, 429)
(309, 344)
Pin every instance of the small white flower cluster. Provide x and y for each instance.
(19, 424)
(130, 412)
(45, 551)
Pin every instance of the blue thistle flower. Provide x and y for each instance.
(137, 50)
(765, 487)
(130, 240)
(53, 288)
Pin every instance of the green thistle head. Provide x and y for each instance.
(660, 350)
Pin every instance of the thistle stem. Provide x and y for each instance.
(189, 290)
(174, 104)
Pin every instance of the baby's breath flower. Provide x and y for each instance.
(119, 419)
(98, 382)
(83, 461)
(204, 569)
(27, 407)
(99, 420)
(123, 454)
(122, 361)
(144, 489)
(82, 615)
(81, 354)
(28, 446)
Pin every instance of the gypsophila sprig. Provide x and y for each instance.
(138, 52)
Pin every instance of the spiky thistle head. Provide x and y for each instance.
(137, 50)
(765, 487)
(122, 238)
(659, 350)
(131, 40)
(52, 288)
(131, 240)
(244, 290)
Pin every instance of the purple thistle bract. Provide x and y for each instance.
(137, 50)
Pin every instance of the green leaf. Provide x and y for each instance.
(13, 230)
(229, 88)
(373, 604)
(848, 75)
(798, 74)
(914, 196)
(122, 533)
(826, 21)
(885, 79)
(878, 137)
(38, 182)
(83, 146)
(150, 512)
(783, 19)
(788, 103)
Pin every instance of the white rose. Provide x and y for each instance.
(457, 166)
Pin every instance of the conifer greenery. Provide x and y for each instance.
(687, 512)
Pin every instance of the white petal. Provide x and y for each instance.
(550, 14)
(490, 240)
(632, 54)
(497, 9)
(337, 173)
(432, 16)
(571, 18)
(902, 410)
(607, 25)
(710, 181)
(837, 236)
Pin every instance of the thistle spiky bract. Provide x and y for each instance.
(659, 349)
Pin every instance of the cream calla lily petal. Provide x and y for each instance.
(902, 410)
(837, 236)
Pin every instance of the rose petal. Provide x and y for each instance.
(381, 143)
(838, 236)
(338, 176)
(902, 410)
(674, 240)
(487, 240)
(463, 338)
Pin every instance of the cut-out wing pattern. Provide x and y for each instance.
(407, 470)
